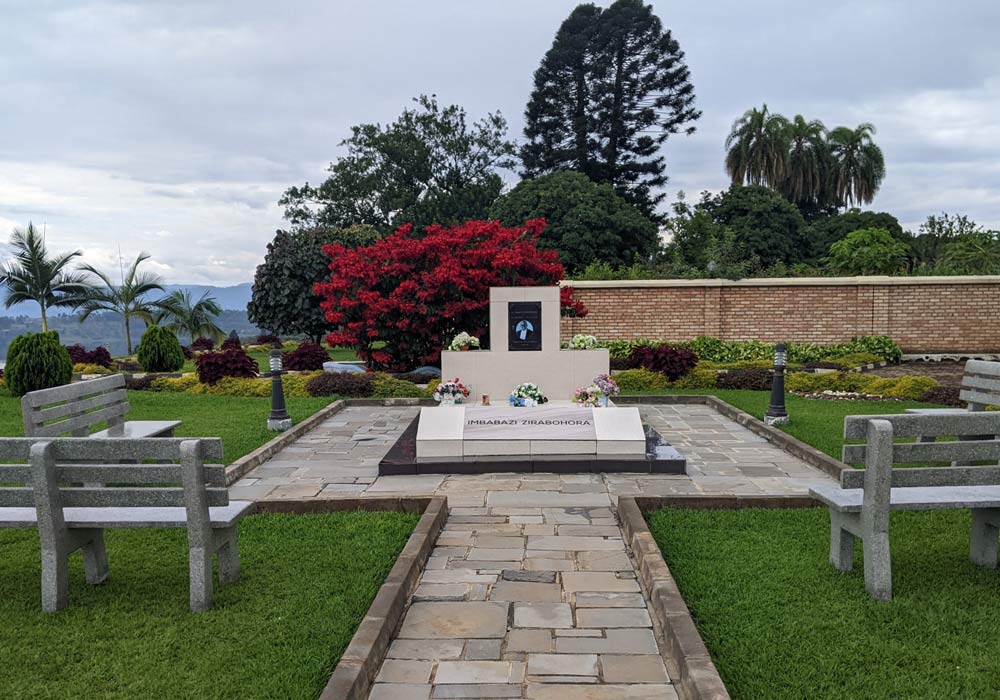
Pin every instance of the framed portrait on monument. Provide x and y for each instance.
(524, 325)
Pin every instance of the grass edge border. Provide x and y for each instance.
(354, 674)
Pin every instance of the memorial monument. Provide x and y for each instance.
(557, 436)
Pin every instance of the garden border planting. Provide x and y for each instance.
(795, 447)
(354, 674)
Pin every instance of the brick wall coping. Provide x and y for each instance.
(784, 282)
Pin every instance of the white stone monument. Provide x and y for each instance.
(524, 347)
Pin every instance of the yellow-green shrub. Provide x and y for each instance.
(909, 387)
(912, 387)
(185, 382)
(698, 378)
(632, 380)
(89, 368)
(432, 385)
(295, 384)
(388, 387)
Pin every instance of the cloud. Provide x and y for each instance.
(173, 127)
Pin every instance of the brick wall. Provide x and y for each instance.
(922, 314)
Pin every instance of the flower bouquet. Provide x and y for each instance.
(607, 385)
(597, 394)
(587, 396)
(463, 341)
(581, 341)
(451, 392)
(527, 394)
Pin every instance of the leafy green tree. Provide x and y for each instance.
(608, 94)
(757, 149)
(32, 275)
(974, 253)
(765, 225)
(870, 251)
(927, 248)
(825, 231)
(858, 167)
(586, 221)
(129, 299)
(428, 166)
(282, 300)
(182, 314)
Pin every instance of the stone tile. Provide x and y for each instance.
(562, 664)
(467, 672)
(597, 581)
(546, 615)
(545, 499)
(590, 530)
(603, 561)
(399, 691)
(404, 671)
(543, 691)
(613, 617)
(529, 576)
(457, 576)
(440, 591)
(633, 669)
(529, 640)
(479, 554)
(517, 591)
(499, 542)
(480, 620)
(577, 632)
(477, 690)
(482, 650)
(616, 641)
(609, 600)
(573, 544)
(425, 649)
(542, 564)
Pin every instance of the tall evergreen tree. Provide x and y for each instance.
(608, 94)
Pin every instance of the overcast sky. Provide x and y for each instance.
(173, 127)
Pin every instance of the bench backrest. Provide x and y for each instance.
(44, 468)
(981, 384)
(881, 451)
(75, 409)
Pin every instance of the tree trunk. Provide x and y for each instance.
(128, 336)
(45, 319)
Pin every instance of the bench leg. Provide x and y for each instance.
(841, 543)
(985, 536)
(95, 556)
(229, 556)
(878, 566)
(55, 579)
(200, 560)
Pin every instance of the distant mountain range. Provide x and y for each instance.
(233, 298)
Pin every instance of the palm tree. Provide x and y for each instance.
(128, 298)
(179, 312)
(33, 276)
(858, 165)
(805, 175)
(757, 148)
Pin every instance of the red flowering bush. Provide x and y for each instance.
(305, 357)
(213, 366)
(568, 306)
(397, 301)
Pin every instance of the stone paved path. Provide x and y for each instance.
(534, 600)
(340, 458)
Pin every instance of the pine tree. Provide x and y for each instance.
(608, 94)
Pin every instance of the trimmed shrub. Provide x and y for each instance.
(631, 380)
(880, 345)
(81, 356)
(850, 360)
(618, 363)
(749, 379)
(268, 339)
(307, 356)
(78, 354)
(159, 350)
(235, 386)
(698, 378)
(347, 384)
(944, 395)
(37, 361)
(139, 382)
(296, 382)
(416, 377)
(127, 365)
(909, 387)
(231, 344)
(385, 386)
(213, 366)
(203, 344)
(188, 352)
(174, 384)
(912, 387)
(672, 361)
(87, 368)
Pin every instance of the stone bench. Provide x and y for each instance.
(179, 491)
(76, 409)
(860, 506)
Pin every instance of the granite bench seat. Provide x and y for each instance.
(860, 505)
(121, 489)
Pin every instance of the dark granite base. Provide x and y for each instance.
(660, 458)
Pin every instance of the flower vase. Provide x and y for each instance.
(448, 400)
(464, 348)
(602, 401)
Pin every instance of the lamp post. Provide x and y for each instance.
(279, 419)
(776, 413)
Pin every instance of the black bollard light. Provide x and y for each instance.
(776, 413)
(279, 419)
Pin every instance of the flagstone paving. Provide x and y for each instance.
(530, 591)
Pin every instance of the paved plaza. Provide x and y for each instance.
(340, 457)
(530, 591)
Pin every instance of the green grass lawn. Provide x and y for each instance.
(307, 582)
(782, 624)
(241, 422)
